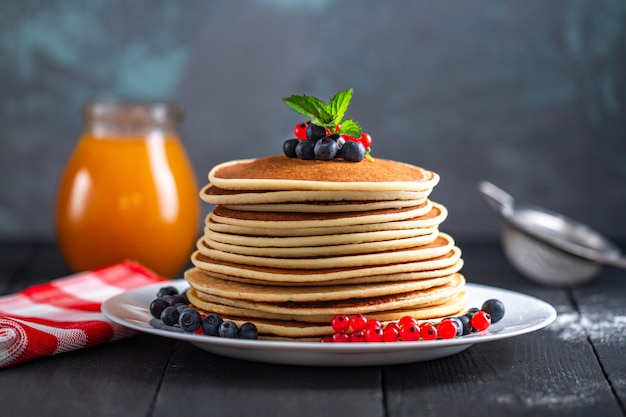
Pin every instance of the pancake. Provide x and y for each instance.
(283, 220)
(420, 225)
(302, 275)
(327, 206)
(315, 240)
(393, 277)
(441, 245)
(319, 250)
(284, 174)
(209, 284)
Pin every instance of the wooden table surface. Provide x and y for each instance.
(574, 367)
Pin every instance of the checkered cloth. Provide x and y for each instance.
(64, 314)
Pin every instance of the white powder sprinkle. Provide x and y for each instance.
(560, 398)
(603, 328)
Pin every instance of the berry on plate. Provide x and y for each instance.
(481, 320)
(447, 329)
(428, 331)
(409, 332)
(211, 324)
(495, 308)
(189, 319)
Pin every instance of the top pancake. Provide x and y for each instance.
(281, 173)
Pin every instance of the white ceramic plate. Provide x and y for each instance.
(524, 314)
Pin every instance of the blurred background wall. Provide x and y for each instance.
(528, 94)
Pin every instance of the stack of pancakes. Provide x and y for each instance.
(291, 243)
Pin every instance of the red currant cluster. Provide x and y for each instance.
(360, 329)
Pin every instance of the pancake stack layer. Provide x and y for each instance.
(291, 243)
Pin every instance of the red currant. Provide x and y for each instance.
(340, 323)
(393, 324)
(358, 322)
(349, 138)
(373, 324)
(481, 320)
(409, 332)
(428, 331)
(327, 339)
(341, 337)
(407, 320)
(391, 332)
(300, 130)
(374, 334)
(447, 329)
(357, 336)
(366, 140)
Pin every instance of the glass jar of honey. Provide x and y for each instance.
(128, 191)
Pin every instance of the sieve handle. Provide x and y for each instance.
(618, 261)
(497, 198)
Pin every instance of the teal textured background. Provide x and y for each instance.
(530, 95)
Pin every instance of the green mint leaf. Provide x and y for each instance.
(303, 105)
(339, 104)
(350, 128)
(312, 108)
(324, 116)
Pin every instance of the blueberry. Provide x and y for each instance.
(315, 132)
(157, 306)
(304, 149)
(181, 307)
(495, 308)
(228, 329)
(211, 324)
(470, 313)
(189, 320)
(178, 299)
(169, 316)
(169, 290)
(289, 147)
(325, 149)
(248, 331)
(353, 151)
(466, 323)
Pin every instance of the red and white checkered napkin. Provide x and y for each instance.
(64, 314)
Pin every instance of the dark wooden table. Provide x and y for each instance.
(574, 367)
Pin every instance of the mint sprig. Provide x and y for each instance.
(326, 115)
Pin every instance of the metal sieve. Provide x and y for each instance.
(548, 247)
